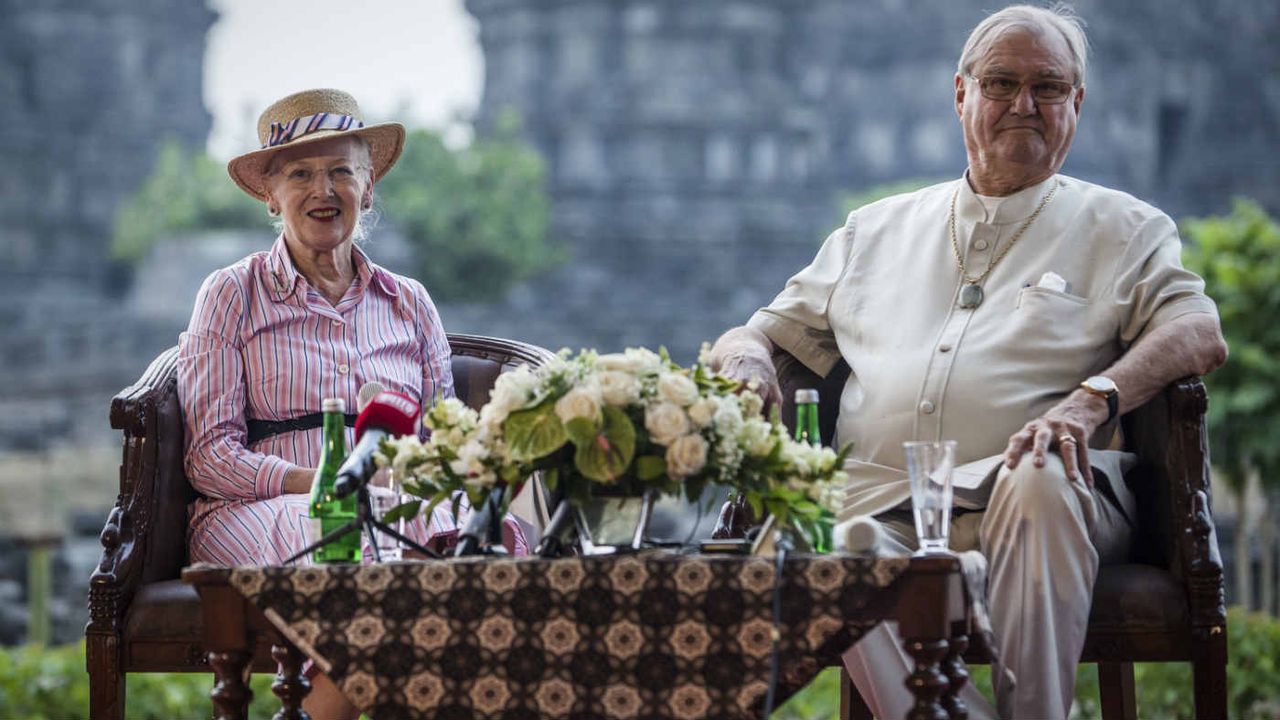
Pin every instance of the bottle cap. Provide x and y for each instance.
(806, 395)
(333, 405)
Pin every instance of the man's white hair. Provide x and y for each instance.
(1059, 18)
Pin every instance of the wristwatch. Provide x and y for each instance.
(1104, 387)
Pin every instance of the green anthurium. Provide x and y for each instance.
(607, 455)
(581, 430)
(535, 432)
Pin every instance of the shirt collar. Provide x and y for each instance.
(283, 278)
(370, 274)
(1014, 208)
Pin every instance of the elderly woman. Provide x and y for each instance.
(311, 318)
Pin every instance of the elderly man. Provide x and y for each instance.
(1019, 312)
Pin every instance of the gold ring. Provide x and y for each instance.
(1064, 439)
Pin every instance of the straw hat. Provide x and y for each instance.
(307, 117)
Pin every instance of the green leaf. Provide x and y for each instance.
(403, 511)
(649, 467)
(581, 430)
(535, 432)
(607, 457)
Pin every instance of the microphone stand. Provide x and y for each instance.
(363, 521)
(483, 533)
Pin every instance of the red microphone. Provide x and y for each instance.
(388, 414)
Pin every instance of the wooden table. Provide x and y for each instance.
(675, 635)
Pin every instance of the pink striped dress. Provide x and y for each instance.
(263, 343)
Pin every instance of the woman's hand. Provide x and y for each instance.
(298, 480)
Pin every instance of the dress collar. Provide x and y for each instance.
(1013, 208)
(283, 278)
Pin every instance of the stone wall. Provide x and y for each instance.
(697, 150)
(88, 89)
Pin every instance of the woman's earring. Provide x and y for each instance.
(273, 211)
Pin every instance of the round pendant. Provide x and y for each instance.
(970, 296)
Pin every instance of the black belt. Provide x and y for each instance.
(263, 429)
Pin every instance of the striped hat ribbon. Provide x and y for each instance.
(283, 132)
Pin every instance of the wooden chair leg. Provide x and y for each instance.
(852, 706)
(106, 680)
(1209, 675)
(1115, 685)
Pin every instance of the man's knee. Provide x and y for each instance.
(1032, 493)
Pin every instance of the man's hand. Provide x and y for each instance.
(1065, 429)
(745, 354)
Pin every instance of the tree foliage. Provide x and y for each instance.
(186, 191)
(477, 217)
(1237, 255)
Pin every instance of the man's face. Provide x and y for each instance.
(1019, 137)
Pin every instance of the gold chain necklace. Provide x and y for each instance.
(971, 294)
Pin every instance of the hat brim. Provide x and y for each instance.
(386, 142)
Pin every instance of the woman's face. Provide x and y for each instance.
(319, 189)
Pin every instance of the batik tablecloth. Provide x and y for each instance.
(657, 634)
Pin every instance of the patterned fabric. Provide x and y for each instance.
(282, 133)
(263, 341)
(651, 635)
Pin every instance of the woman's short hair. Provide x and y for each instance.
(1059, 17)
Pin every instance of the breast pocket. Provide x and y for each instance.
(1057, 328)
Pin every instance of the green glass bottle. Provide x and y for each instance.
(327, 512)
(807, 431)
(807, 417)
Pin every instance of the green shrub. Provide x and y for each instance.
(1163, 689)
(51, 684)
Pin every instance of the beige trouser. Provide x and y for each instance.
(1044, 537)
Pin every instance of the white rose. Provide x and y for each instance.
(645, 361)
(512, 390)
(618, 387)
(702, 411)
(756, 437)
(665, 422)
(580, 402)
(686, 456)
(677, 388)
(618, 362)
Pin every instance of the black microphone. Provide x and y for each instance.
(388, 414)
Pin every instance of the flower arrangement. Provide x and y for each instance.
(618, 424)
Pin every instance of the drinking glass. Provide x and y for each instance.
(929, 466)
(383, 497)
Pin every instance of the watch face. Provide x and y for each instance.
(1100, 384)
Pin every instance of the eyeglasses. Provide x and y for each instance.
(1003, 89)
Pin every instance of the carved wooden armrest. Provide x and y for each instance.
(133, 410)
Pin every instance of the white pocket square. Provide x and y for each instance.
(1052, 281)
